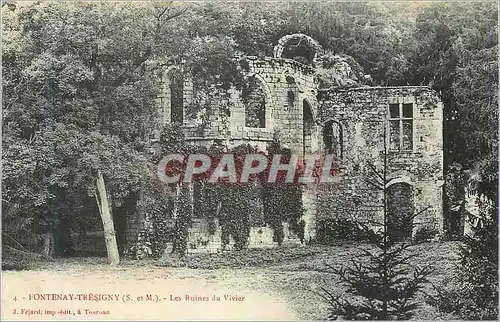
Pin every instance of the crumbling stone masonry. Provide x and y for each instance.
(410, 119)
(347, 118)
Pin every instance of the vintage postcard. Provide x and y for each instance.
(249, 160)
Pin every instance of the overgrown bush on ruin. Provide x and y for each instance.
(157, 209)
(282, 201)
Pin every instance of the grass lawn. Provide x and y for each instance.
(279, 284)
(296, 273)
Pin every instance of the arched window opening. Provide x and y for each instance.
(333, 139)
(292, 93)
(254, 100)
(299, 49)
(400, 211)
(176, 96)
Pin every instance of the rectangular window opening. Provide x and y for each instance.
(401, 127)
(408, 110)
(394, 110)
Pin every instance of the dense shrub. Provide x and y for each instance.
(330, 231)
(424, 234)
(472, 293)
(14, 259)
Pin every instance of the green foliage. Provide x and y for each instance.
(455, 52)
(330, 231)
(328, 74)
(383, 287)
(400, 229)
(182, 221)
(282, 201)
(157, 207)
(80, 85)
(15, 259)
(255, 105)
(235, 200)
(472, 292)
(236, 203)
(235, 216)
(424, 234)
(453, 200)
(87, 107)
(171, 217)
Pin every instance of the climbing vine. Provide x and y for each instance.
(183, 219)
(231, 203)
(282, 201)
(157, 207)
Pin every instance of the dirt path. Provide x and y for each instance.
(127, 284)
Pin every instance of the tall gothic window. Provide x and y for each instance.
(401, 127)
(333, 139)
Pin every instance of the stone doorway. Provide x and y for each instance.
(400, 211)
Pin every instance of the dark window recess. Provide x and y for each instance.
(401, 127)
(407, 135)
(291, 99)
(255, 105)
(408, 110)
(333, 138)
(400, 211)
(176, 97)
(394, 110)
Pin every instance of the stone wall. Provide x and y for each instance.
(277, 76)
(296, 112)
(284, 117)
(200, 240)
(363, 115)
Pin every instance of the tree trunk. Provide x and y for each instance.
(48, 245)
(107, 221)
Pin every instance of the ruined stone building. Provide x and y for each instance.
(317, 102)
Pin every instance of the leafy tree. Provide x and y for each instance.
(455, 52)
(88, 107)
